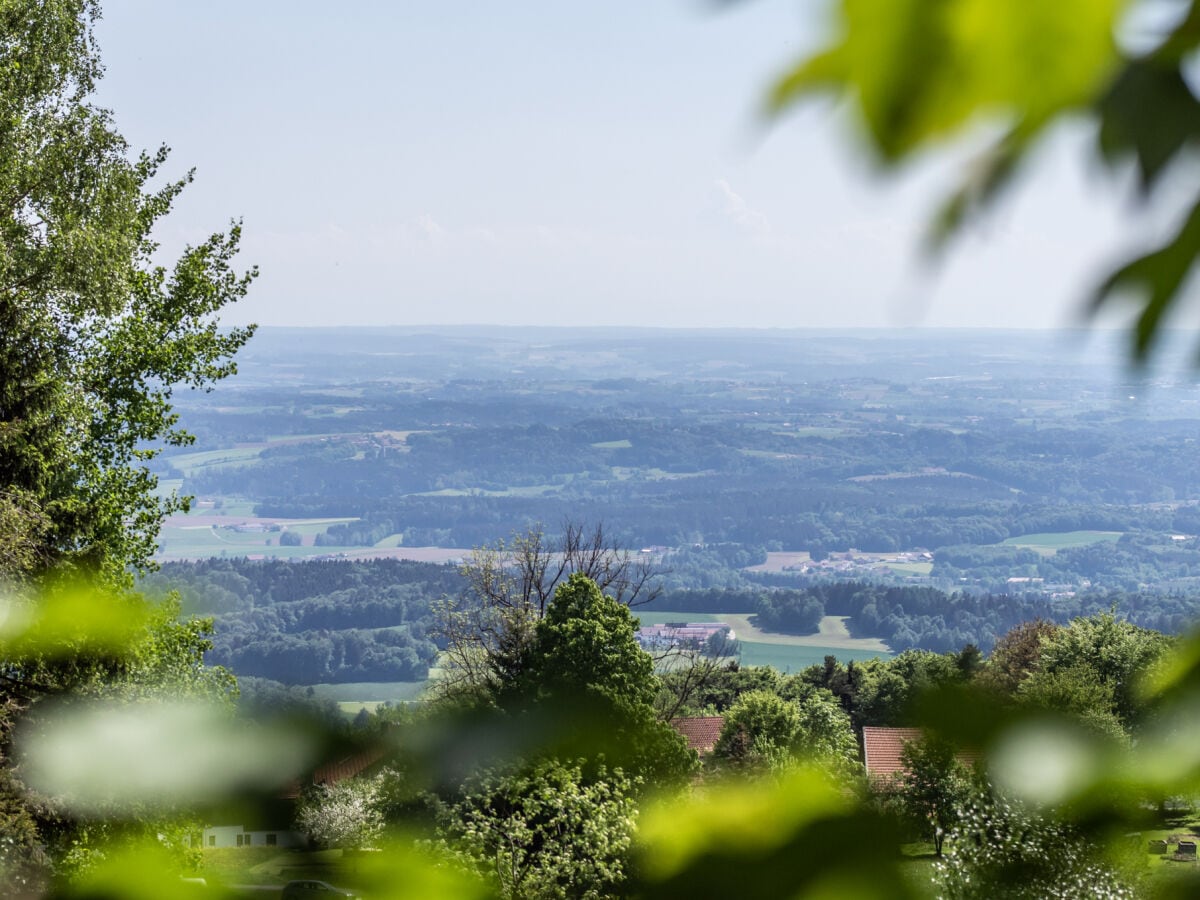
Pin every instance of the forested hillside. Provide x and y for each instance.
(763, 440)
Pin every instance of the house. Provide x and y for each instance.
(701, 732)
(218, 836)
(883, 748)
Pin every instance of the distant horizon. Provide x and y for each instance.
(1107, 329)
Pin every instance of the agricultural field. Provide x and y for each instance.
(778, 561)
(207, 533)
(369, 692)
(786, 652)
(795, 658)
(646, 617)
(215, 533)
(1050, 543)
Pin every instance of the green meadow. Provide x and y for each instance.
(1051, 542)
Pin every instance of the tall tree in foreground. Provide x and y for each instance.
(584, 664)
(508, 587)
(94, 335)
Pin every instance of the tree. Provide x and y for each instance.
(1118, 652)
(584, 666)
(344, 815)
(759, 731)
(1076, 690)
(585, 649)
(509, 585)
(825, 732)
(1017, 655)
(544, 832)
(998, 848)
(918, 73)
(94, 336)
(933, 788)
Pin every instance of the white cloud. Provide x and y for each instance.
(737, 211)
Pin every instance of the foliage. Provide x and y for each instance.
(344, 815)
(96, 336)
(584, 648)
(487, 627)
(921, 72)
(933, 787)
(825, 733)
(791, 611)
(1076, 690)
(544, 831)
(584, 663)
(759, 731)
(316, 621)
(997, 848)
(1115, 649)
(800, 835)
(1017, 655)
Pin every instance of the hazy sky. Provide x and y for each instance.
(566, 163)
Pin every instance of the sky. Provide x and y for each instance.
(568, 163)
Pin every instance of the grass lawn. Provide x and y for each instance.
(1163, 869)
(1050, 543)
(917, 865)
(239, 865)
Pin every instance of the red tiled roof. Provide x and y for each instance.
(338, 770)
(882, 748)
(701, 731)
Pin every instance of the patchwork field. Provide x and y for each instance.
(210, 533)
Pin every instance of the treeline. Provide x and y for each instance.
(1128, 563)
(929, 619)
(783, 515)
(318, 621)
(370, 620)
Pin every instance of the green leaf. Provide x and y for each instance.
(1154, 281)
(920, 70)
(1151, 113)
(801, 835)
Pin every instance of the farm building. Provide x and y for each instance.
(883, 749)
(701, 732)
(681, 634)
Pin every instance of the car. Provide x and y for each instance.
(299, 890)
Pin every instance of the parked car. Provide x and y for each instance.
(318, 890)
